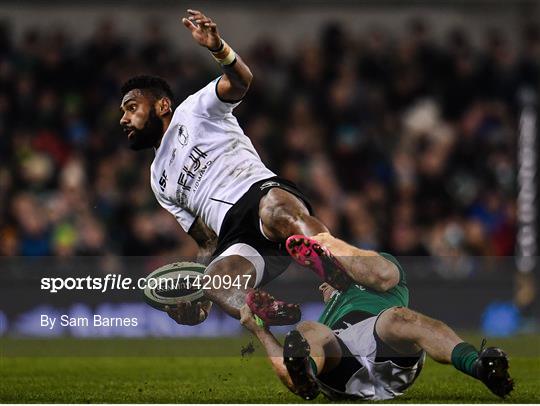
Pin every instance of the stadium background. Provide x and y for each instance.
(400, 122)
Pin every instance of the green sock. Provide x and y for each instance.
(463, 357)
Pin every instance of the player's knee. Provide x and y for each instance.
(306, 326)
(314, 332)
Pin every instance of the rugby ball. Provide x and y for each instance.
(171, 283)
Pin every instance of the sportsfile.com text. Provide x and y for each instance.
(119, 282)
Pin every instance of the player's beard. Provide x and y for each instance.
(149, 135)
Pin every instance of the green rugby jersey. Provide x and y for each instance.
(360, 298)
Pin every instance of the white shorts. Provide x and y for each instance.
(248, 252)
(374, 380)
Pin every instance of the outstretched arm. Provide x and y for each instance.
(368, 268)
(273, 348)
(236, 74)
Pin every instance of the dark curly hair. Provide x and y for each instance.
(155, 85)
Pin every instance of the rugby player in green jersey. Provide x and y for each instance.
(367, 343)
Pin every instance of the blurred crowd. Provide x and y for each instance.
(404, 144)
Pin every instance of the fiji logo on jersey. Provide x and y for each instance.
(163, 181)
(183, 135)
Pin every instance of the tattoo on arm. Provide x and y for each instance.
(205, 238)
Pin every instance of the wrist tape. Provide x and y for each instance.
(225, 55)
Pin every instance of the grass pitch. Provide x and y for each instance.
(209, 371)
